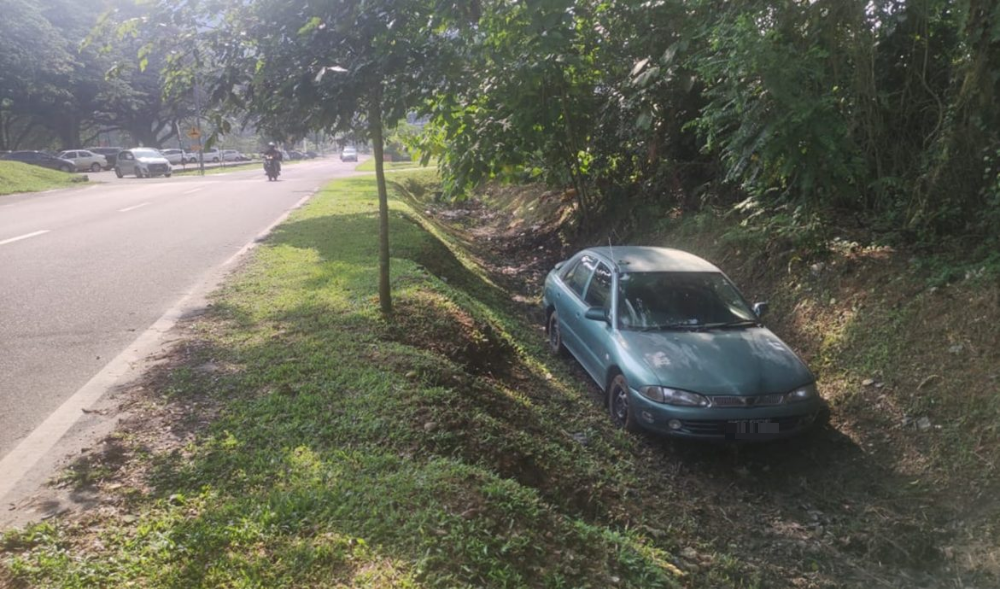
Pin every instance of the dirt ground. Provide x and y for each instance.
(855, 503)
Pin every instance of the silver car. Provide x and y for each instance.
(143, 162)
(174, 156)
(85, 160)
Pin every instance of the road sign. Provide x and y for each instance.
(194, 148)
(194, 133)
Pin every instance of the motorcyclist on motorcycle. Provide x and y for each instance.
(274, 153)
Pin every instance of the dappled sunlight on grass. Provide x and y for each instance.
(426, 450)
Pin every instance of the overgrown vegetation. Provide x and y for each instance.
(874, 116)
(17, 177)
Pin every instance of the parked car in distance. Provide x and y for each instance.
(109, 153)
(311, 155)
(144, 162)
(212, 155)
(174, 156)
(38, 158)
(230, 155)
(349, 154)
(85, 160)
(675, 346)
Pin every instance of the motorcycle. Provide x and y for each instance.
(271, 167)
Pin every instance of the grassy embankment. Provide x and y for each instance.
(900, 491)
(18, 177)
(906, 346)
(443, 449)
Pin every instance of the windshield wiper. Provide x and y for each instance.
(737, 323)
(670, 326)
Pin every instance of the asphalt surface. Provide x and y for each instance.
(84, 271)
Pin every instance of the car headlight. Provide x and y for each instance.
(669, 396)
(802, 394)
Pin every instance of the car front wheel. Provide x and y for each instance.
(67, 169)
(555, 335)
(95, 168)
(118, 172)
(619, 405)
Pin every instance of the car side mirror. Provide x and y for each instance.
(760, 309)
(596, 314)
(559, 265)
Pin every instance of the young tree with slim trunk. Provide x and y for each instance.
(297, 66)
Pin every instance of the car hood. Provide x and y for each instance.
(152, 160)
(750, 361)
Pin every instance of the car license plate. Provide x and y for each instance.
(748, 428)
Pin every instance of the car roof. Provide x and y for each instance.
(653, 259)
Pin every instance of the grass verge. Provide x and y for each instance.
(18, 177)
(440, 449)
(369, 165)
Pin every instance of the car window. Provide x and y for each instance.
(656, 299)
(68, 154)
(599, 291)
(577, 276)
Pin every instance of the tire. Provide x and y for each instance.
(168, 174)
(215, 160)
(118, 172)
(619, 406)
(138, 172)
(95, 167)
(67, 169)
(555, 335)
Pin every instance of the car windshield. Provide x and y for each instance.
(146, 153)
(676, 300)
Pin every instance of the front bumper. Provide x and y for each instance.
(736, 424)
(158, 169)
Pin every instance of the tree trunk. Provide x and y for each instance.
(375, 128)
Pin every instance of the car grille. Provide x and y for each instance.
(718, 427)
(158, 168)
(724, 401)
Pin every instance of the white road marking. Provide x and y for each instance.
(193, 190)
(127, 209)
(26, 236)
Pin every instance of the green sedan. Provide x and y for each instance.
(676, 347)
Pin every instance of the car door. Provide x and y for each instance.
(595, 336)
(571, 305)
(126, 163)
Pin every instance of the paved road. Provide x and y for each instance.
(83, 272)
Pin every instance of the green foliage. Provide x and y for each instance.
(880, 112)
(773, 109)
